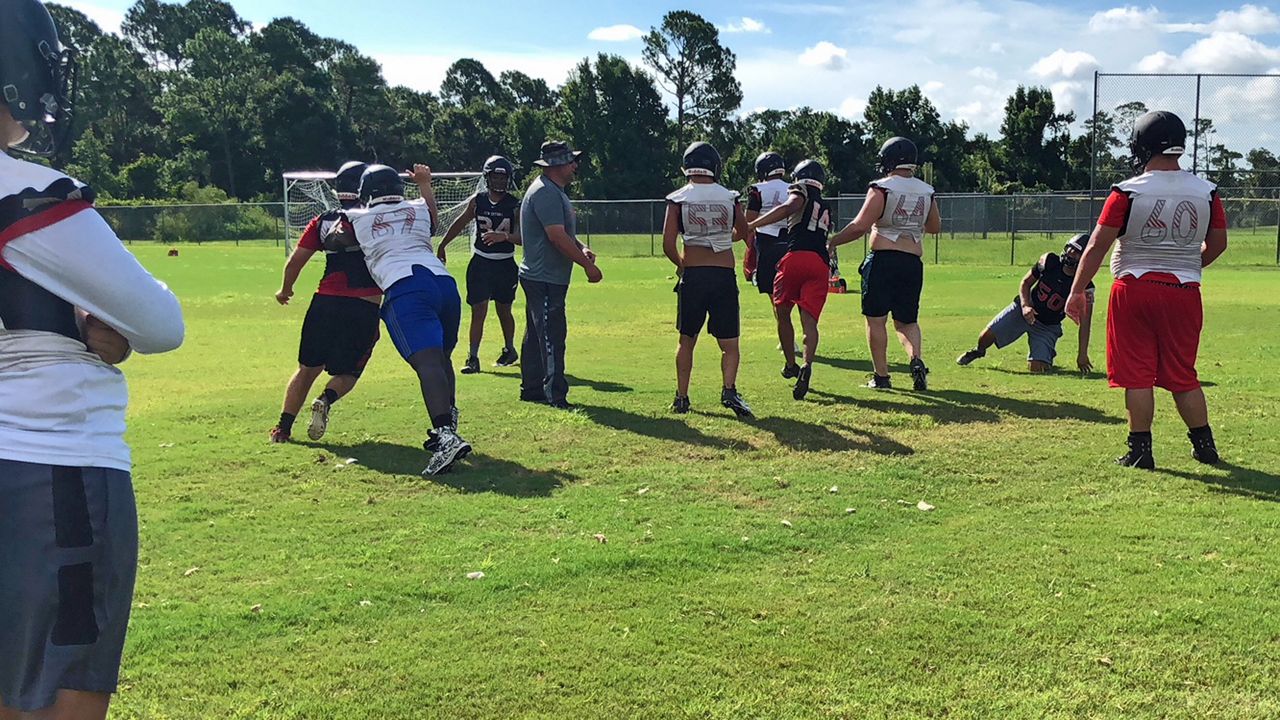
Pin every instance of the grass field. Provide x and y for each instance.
(644, 565)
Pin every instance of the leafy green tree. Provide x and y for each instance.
(696, 70)
(527, 92)
(1034, 140)
(468, 81)
(908, 113)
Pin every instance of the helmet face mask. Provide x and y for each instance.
(1074, 250)
(37, 77)
(498, 173)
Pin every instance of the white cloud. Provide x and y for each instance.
(1065, 65)
(746, 25)
(810, 9)
(825, 55)
(852, 108)
(933, 86)
(996, 48)
(425, 72)
(616, 33)
(985, 74)
(1248, 20)
(1157, 62)
(1221, 52)
(1129, 17)
(108, 19)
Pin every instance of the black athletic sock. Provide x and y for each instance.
(286, 422)
(442, 421)
(1140, 440)
(1200, 432)
(329, 395)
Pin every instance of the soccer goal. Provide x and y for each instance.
(311, 193)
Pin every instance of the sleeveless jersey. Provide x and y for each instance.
(808, 229)
(765, 196)
(1163, 217)
(906, 207)
(345, 271)
(395, 237)
(495, 217)
(706, 215)
(1050, 291)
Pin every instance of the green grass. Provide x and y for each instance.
(1046, 584)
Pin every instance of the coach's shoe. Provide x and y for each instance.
(802, 382)
(433, 442)
(730, 398)
(880, 382)
(1140, 454)
(919, 375)
(1203, 448)
(970, 356)
(319, 418)
(680, 405)
(279, 435)
(471, 366)
(791, 371)
(508, 358)
(449, 449)
(454, 416)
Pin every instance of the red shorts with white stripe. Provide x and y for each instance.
(1153, 333)
(803, 279)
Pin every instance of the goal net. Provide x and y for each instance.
(308, 194)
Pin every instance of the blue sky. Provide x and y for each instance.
(968, 55)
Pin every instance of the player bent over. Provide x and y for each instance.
(422, 309)
(804, 272)
(707, 215)
(1038, 310)
(341, 326)
(899, 209)
(1167, 226)
(492, 273)
(72, 302)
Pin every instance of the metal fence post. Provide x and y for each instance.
(1013, 228)
(1277, 227)
(653, 250)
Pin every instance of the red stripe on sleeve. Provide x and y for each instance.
(311, 236)
(1217, 216)
(1115, 210)
(39, 221)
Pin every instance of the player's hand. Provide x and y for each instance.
(494, 236)
(593, 273)
(420, 174)
(282, 296)
(103, 341)
(590, 254)
(1083, 362)
(440, 254)
(1029, 314)
(1077, 306)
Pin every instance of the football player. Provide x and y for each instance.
(73, 301)
(767, 245)
(708, 217)
(898, 210)
(492, 273)
(341, 325)
(1167, 225)
(1038, 310)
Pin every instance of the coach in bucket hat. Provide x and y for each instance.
(556, 153)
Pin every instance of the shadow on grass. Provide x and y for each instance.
(963, 407)
(477, 474)
(658, 428)
(1242, 481)
(1056, 372)
(810, 437)
(603, 386)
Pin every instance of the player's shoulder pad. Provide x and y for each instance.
(27, 189)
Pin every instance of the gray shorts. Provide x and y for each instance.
(68, 558)
(1042, 339)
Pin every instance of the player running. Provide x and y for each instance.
(804, 272)
(341, 326)
(707, 216)
(1038, 310)
(1167, 225)
(769, 243)
(73, 301)
(422, 309)
(899, 209)
(492, 273)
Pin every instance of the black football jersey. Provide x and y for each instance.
(1050, 291)
(808, 229)
(495, 217)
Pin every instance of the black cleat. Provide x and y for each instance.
(472, 366)
(562, 404)
(802, 382)
(680, 405)
(970, 356)
(880, 382)
(1139, 455)
(919, 375)
(790, 371)
(432, 443)
(1203, 448)
(508, 358)
(730, 398)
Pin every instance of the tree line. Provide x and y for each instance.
(190, 99)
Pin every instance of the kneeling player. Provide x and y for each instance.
(422, 309)
(492, 273)
(1038, 310)
(707, 215)
(341, 326)
(804, 272)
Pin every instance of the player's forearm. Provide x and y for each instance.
(570, 248)
(773, 216)
(1024, 292)
(1213, 247)
(672, 251)
(847, 234)
(292, 270)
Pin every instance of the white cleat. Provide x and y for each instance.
(319, 418)
(450, 448)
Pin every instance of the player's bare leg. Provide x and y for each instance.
(787, 338)
(507, 319)
(479, 313)
(912, 343)
(684, 368)
(809, 324)
(337, 387)
(295, 395)
(1039, 367)
(878, 344)
(985, 341)
(730, 358)
(1141, 406)
(1195, 413)
(69, 705)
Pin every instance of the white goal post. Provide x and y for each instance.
(309, 193)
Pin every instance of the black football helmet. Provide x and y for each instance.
(381, 184)
(701, 159)
(1074, 248)
(498, 173)
(37, 75)
(347, 181)
(898, 153)
(1157, 133)
(811, 173)
(769, 165)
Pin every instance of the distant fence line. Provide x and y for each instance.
(975, 226)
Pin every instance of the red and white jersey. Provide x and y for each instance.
(907, 201)
(395, 237)
(765, 196)
(59, 260)
(706, 215)
(1163, 218)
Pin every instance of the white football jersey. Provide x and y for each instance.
(772, 194)
(906, 207)
(706, 215)
(395, 237)
(1169, 215)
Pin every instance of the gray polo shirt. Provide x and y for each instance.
(545, 204)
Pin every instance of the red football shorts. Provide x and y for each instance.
(1153, 333)
(803, 280)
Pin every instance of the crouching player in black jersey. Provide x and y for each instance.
(1038, 310)
(492, 273)
(707, 215)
